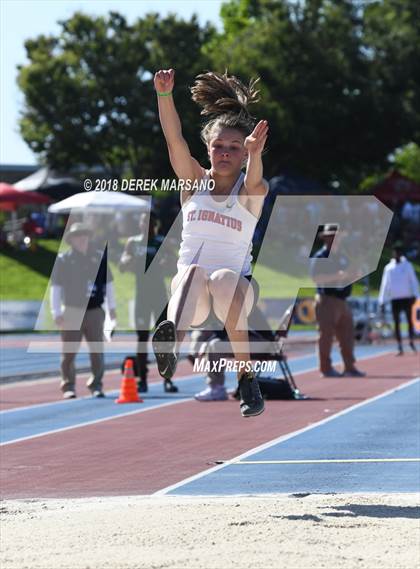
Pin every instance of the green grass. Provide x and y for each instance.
(24, 275)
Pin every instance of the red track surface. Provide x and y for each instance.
(34, 392)
(149, 451)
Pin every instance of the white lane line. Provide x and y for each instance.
(281, 439)
(17, 384)
(94, 422)
(181, 378)
(110, 393)
(326, 461)
(42, 381)
(4, 387)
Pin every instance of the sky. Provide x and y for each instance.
(23, 19)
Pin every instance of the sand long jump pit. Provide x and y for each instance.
(303, 531)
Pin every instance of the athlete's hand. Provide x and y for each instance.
(255, 142)
(164, 80)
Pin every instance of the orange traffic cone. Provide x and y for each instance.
(128, 392)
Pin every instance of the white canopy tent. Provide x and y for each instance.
(107, 202)
(42, 178)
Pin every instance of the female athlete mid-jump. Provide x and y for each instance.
(214, 265)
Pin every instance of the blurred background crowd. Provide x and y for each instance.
(338, 86)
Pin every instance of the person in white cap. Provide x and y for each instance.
(76, 277)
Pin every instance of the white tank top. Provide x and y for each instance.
(217, 235)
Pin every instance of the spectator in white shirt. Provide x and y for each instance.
(400, 286)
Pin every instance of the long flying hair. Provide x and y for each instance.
(225, 99)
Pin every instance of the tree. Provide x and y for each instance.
(407, 161)
(340, 85)
(338, 94)
(89, 96)
(392, 44)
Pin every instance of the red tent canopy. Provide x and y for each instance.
(13, 198)
(396, 188)
(8, 206)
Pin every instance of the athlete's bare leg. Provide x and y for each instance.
(233, 310)
(233, 297)
(190, 302)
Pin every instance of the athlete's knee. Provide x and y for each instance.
(222, 281)
(196, 273)
(193, 275)
(223, 274)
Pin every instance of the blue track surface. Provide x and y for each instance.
(18, 360)
(386, 428)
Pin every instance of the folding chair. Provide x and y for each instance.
(273, 351)
(266, 345)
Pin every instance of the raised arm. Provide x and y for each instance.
(184, 165)
(256, 187)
